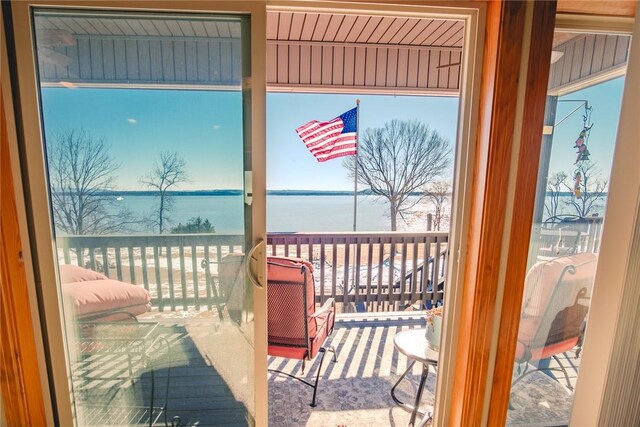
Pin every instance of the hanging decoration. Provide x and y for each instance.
(583, 151)
(577, 180)
(581, 142)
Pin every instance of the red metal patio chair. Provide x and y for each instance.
(296, 329)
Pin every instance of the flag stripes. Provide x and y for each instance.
(332, 139)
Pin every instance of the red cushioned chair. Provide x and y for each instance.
(296, 329)
(554, 311)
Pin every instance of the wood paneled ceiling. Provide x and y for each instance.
(141, 51)
(311, 52)
(307, 52)
(582, 59)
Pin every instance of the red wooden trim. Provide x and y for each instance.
(543, 24)
(500, 70)
(19, 374)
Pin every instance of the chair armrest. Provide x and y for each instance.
(527, 355)
(327, 307)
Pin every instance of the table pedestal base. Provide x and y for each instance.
(415, 408)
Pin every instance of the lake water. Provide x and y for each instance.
(290, 213)
(284, 213)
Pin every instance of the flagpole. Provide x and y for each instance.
(355, 174)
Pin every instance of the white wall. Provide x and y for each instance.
(603, 342)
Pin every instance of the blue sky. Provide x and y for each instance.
(206, 129)
(605, 99)
(291, 166)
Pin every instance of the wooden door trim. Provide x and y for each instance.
(520, 231)
(477, 336)
(23, 402)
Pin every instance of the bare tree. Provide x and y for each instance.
(81, 175)
(167, 173)
(398, 160)
(438, 193)
(592, 189)
(555, 183)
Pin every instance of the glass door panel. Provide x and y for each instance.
(145, 135)
(583, 106)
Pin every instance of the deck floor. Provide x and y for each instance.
(208, 384)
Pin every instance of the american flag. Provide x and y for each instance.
(335, 138)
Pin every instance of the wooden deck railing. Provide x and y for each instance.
(553, 240)
(363, 271)
(371, 271)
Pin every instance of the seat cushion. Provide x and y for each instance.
(72, 273)
(98, 296)
(526, 335)
(544, 276)
(288, 352)
(288, 284)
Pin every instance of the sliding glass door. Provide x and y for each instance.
(578, 143)
(144, 174)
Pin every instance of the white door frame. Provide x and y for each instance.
(33, 164)
(474, 16)
(617, 232)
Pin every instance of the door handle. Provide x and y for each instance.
(255, 254)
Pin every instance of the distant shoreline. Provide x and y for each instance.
(239, 193)
(231, 192)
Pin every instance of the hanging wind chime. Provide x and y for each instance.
(583, 151)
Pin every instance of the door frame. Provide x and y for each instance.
(473, 13)
(609, 284)
(32, 162)
(506, 329)
(474, 16)
(42, 245)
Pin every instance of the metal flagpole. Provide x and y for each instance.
(355, 174)
(355, 197)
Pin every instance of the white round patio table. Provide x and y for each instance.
(413, 344)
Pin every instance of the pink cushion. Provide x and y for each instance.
(95, 296)
(543, 278)
(543, 352)
(549, 326)
(72, 273)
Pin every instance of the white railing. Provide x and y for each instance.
(363, 271)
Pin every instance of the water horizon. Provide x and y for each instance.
(328, 211)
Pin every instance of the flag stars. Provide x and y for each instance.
(332, 139)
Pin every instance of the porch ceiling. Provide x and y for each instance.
(141, 51)
(585, 59)
(307, 52)
(342, 53)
